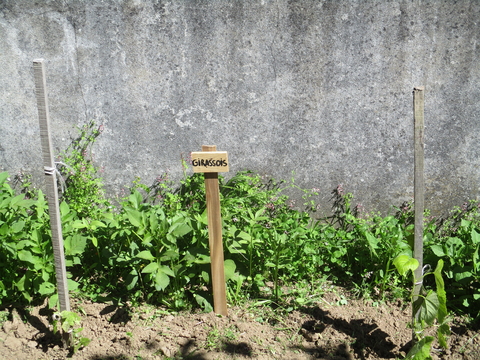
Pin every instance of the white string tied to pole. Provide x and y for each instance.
(426, 268)
(48, 170)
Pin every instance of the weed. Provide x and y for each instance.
(82, 187)
(68, 323)
(213, 339)
(4, 316)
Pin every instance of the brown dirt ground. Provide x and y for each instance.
(326, 330)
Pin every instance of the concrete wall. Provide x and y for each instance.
(323, 88)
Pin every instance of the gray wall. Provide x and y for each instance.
(323, 88)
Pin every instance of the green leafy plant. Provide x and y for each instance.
(152, 244)
(68, 323)
(429, 309)
(461, 253)
(79, 176)
(26, 257)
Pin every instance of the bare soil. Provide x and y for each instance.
(333, 329)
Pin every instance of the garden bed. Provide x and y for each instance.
(336, 327)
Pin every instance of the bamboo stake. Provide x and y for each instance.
(51, 185)
(215, 239)
(419, 188)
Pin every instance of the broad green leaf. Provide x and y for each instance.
(15, 200)
(236, 248)
(146, 254)
(202, 218)
(153, 222)
(166, 270)
(46, 288)
(94, 241)
(27, 256)
(27, 296)
(20, 284)
(465, 223)
(96, 224)
(26, 203)
(475, 237)
(17, 226)
(42, 205)
(64, 209)
(437, 250)
(52, 302)
(3, 177)
(421, 349)
(442, 332)
(135, 217)
(454, 245)
(230, 268)
(205, 276)
(427, 307)
(372, 242)
(79, 224)
(258, 215)
(69, 320)
(24, 243)
(36, 236)
(169, 255)
(46, 275)
(147, 239)
(441, 294)
(75, 244)
(72, 285)
(4, 229)
(179, 229)
(135, 199)
(150, 268)
(461, 274)
(131, 279)
(161, 281)
(206, 306)
(404, 263)
(202, 259)
(243, 235)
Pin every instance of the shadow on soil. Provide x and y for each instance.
(368, 337)
(189, 349)
(45, 336)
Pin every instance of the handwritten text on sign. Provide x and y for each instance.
(210, 161)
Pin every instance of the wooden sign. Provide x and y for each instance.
(210, 161)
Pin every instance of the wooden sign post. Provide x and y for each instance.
(419, 188)
(211, 162)
(52, 192)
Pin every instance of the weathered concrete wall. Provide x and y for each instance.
(323, 88)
